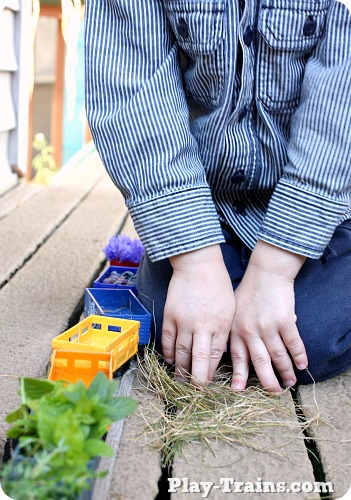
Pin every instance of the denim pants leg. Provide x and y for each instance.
(322, 295)
(323, 308)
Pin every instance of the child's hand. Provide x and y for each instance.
(264, 327)
(198, 313)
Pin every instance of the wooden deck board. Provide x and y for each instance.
(137, 468)
(25, 229)
(287, 463)
(333, 435)
(50, 251)
(42, 297)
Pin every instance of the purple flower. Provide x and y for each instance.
(123, 248)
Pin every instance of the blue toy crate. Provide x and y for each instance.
(118, 303)
(120, 270)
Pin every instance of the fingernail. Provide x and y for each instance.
(237, 386)
(169, 361)
(289, 383)
(302, 366)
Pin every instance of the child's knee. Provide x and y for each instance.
(326, 359)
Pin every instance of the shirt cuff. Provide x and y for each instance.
(177, 222)
(301, 221)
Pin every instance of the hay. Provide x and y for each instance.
(215, 412)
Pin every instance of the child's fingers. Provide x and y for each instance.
(295, 346)
(281, 360)
(183, 354)
(201, 352)
(218, 347)
(169, 336)
(261, 361)
(240, 360)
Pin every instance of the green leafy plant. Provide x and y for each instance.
(43, 162)
(59, 427)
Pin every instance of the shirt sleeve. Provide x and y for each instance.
(139, 120)
(313, 195)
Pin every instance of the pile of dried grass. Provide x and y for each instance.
(215, 412)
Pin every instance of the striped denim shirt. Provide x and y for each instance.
(224, 110)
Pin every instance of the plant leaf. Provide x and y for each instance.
(101, 387)
(97, 448)
(86, 419)
(120, 407)
(72, 397)
(33, 388)
(18, 414)
(50, 412)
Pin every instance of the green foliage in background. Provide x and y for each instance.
(43, 163)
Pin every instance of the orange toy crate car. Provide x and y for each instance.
(117, 336)
(73, 366)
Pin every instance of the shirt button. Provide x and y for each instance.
(310, 26)
(238, 177)
(239, 208)
(248, 36)
(183, 28)
(242, 114)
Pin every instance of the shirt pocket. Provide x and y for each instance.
(199, 31)
(290, 30)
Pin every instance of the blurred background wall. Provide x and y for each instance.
(42, 117)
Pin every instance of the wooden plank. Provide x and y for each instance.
(25, 229)
(102, 486)
(30, 138)
(136, 469)
(333, 435)
(56, 128)
(197, 463)
(47, 292)
(17, 197)
(52, 9)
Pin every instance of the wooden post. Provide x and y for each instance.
(30, 139)
(57, 104)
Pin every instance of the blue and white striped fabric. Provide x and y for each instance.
(208, 110)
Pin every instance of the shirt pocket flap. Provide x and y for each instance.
(292, 25)
(198, 26)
